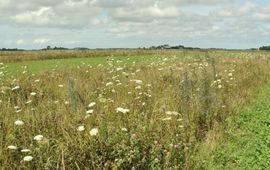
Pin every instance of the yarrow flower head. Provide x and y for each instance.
(25, 150)
(33, 93)
(81, 128)
(172, 113)
(122, 110)
(94, 131)
(28, 158)
(19, 123)
(167, 118)
(15, 88)
(89, 111)
(38, 137)
(92, 104)
(12, 147)
(109, 83)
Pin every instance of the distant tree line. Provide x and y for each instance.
(167, 46)
(63, 48)
(54, 48)
(10, 49)
(264, 48)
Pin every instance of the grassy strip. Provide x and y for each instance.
(46, 60)
(36, 66)
(20, 56)
(245, 143)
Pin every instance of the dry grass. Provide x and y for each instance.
(17, 56)
(168, 105)
(7, 57)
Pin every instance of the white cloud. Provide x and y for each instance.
(20, 42)
(4, 3)
(236, 11)
(263, 14)
(43, 16)
(41, 41)
(63, 21)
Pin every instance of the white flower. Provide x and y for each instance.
(89, 111)
(17, 111)
(60, 85)
(167, 118)
(94, 132)
(16, 107)
(172, 113)
(12, 147)
(33, 93)
(109, 84)
(86, 116)
(122, 110)
(92, 104)
(138, 81)
(219, 86)
(25, 150)
(124, 129)
(28, 102)
(28, 158)
(81, 128)
(19, 123)
(138, 87)
(38, 137)
(15, 88)
(119, 69)
(230, 74)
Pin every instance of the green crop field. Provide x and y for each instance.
(52, 60)
(158, 109)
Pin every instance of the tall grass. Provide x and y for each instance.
(17, 56)
(147, 115)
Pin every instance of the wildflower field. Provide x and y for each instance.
(143, 110)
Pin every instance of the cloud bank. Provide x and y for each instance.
(134, 23)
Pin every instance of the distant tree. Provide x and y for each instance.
(264, 48)
(11, 49)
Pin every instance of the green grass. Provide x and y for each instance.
(172, 106)
(246, 141)
(36, 66)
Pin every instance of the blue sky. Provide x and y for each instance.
(33, 24)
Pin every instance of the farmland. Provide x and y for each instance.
(153, 109)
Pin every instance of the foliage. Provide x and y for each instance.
(264, 48)
(121, 115)
(245, 140)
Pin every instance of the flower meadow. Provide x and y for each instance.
(122, 114)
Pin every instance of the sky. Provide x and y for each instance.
(34, 24)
